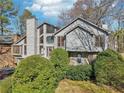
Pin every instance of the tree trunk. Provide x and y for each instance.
(2, 28)
(1, 22)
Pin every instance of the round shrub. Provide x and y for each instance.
(109, 54)
(81, 72)
(34, 74)
(109, 68)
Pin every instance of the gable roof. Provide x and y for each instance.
(23, 37)
(91, 33)
(47, 24)
(85, 21)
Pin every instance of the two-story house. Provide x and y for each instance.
(37, 40)
(81, 39)
(46, 39)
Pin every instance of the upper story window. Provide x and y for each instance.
(41, 40)
(99, 41)
(25, 40)
(50, 29)
(50, 39)
(41, 30)
(60, 41)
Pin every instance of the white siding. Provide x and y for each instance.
(45, 44)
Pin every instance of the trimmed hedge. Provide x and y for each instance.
(80, 72)
(109, 68)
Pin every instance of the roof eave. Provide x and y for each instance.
(20, 39)
(84, 20)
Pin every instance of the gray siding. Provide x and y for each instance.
(86, 41)
(79, 40)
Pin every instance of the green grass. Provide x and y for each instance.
(66, 86)
(5, 85)
(69, 86)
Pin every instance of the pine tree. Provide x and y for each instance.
(7, 11)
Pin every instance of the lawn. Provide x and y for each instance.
(66, 86)
(69, 86)
(5, 85)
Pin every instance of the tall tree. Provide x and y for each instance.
(7, 11)
(116, 41)
(96, 11)
(26, 14)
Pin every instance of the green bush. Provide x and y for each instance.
(81, 72)
(34, 74)
(60, 61)
(109, 54)
(6, 86)
(109, 68)
(59, 58)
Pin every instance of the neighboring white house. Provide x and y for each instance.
(81, 39)
(37, 40)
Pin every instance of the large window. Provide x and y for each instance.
(60, 41)
(25, 40)
(50, 39)
(99, 41)
(25, 50)
(17, 49)
(41, 30)
(41, 40)
(50, 29)
(41, 50)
